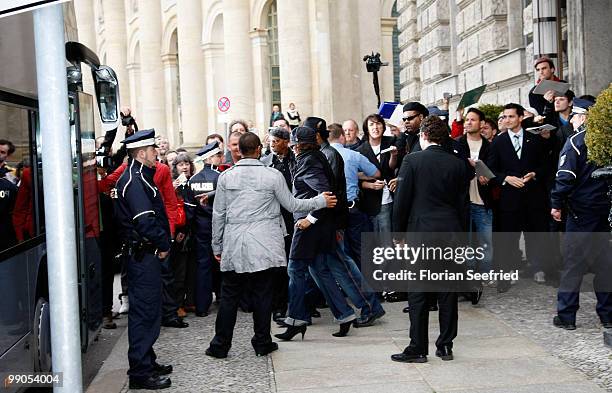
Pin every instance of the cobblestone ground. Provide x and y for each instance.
(241, 371)
(529, 308)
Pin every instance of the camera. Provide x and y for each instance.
(373, 62)
(103, 159)
(129, 122)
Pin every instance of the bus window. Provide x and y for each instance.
(16, 196)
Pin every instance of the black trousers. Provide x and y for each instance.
(169, 305)
(419, 320)
(144, 317)
(281, 283)
(233, 285)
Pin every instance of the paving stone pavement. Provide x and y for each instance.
(529, 308)
(509, 340)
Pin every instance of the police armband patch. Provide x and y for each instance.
(202, 187)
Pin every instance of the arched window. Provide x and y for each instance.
(273, 53)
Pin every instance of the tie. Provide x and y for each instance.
(517, 145)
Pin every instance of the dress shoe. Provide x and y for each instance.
(369, 320)
(270, 348)
(445, 353)
(162, 369)
(278, 316)
(291, 332)
(406, 309)
(476, 295)
(181, 313)
(151, 383)
(175, 323)
(409, 357)
(560, 323)
(215, 354)
(315, 314)
(201, 314)
(344, 329)
(607, 325)
(107, 323)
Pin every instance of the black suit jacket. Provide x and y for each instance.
(336, 162)
(432, 193)
(503, 161)
(370, 200)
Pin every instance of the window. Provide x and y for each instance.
(273, 54)
(396, 56)
(17, 193)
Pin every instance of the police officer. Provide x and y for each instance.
(142, 221)
(587, 241)
(198, 204)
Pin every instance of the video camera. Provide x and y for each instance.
(373, 62)
(103, 157)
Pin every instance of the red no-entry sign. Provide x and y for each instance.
(223, 104)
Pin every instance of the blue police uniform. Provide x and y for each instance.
(586, 243)
(142, 222)
(203, 182)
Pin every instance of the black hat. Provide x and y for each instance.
(303, 134)
(435, 111)
(279, 132)
(140, 139)
(417, 107)
(209, 150)
(317, 124)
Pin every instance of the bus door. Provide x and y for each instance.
(87, 214)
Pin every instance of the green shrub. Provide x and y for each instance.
(491, 111)
(599, 129)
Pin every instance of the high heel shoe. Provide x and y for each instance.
(291, 332)
(344, 329)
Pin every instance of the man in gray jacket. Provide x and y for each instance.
(247, 239)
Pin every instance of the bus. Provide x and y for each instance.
(25, 338)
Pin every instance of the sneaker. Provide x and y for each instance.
(539, 277)
(125, 304)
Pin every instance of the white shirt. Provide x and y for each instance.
(386, 197)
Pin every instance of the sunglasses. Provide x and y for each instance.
(410, 118)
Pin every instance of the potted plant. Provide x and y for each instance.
(599, 145)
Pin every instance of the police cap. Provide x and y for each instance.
(140, 139)
(209, 150)
(581, 106)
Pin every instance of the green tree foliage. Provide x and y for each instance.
(491, 111)
(599, 129)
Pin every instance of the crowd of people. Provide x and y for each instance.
(274, 226)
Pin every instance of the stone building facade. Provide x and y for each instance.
(452, 46)
(176, 58)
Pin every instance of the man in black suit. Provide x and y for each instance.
(521, 162)
(431, 196)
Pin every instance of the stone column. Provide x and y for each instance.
(238, 59)
(368, 22)
(410, 61)
(320, 55)
(171, 101)
(151, 67)
(261, 71)
(295, 72)
(545, 29)
(387, 85)
(214, 60)
(133, 70)
(515, 24)
(116, 45)
(191, 71)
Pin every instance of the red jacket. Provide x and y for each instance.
(163, 181)
(456, 129)
(24, 207)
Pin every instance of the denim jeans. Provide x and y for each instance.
(347, 275)
(297, 313)
(481, 225)
(357, 223)
(382, 221)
